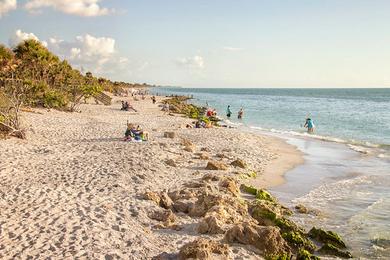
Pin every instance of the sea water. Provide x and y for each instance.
(346, 174)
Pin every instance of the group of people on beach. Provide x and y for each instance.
(240, 113)
(308, 123)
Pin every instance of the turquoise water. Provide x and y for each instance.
(356, 116)
(346, 174)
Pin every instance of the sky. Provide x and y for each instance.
(212, 43)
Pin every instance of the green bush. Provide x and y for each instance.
(54, 99)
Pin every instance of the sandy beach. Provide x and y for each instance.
(74, 188)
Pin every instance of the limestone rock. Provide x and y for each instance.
(301, 209)
(171, 163)
(327, 237)
(215, 202)
(169, 135)
(299, 240)
(165, 201)
(186, 142)
(182, 205)
(211, 225)
(202, 156)
(165, 216)
(165, 256)
(259, 193)
(153, 196)
(239, 163)
(329, 249)
(221, 155)
(230, 185)
(189, 148)
(270, 213)
(305, 255)
(267, 239)
(210, 177)
(215, 166)
(204, 249)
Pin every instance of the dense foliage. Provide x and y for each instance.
(30, 75)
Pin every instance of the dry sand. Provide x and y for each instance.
(72, 189)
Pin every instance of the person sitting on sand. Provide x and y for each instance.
(309, 125)
(228, 112)
(240, 113)
(125, 106)
(135, 133)
(129, 107)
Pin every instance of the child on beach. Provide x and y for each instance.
(240, 113)
(309, 125)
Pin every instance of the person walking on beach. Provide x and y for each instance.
(154, 100)
(309, 125)
(228, 112)
(241, 113)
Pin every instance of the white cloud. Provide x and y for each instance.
(228, 48)
(75, 7)
(20, 36)
(196, 62)
(96, 54)
(6, 6)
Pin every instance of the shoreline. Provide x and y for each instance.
(75, 172)
(289, 157)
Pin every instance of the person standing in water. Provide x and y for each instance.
(309, 125)
(228, 112)
(240, 113)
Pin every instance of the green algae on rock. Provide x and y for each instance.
(327, 237)
(329, 249)
(248, 189)
(259, 193)
(306, 255)
(298, 240)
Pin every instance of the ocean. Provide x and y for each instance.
(346, 174)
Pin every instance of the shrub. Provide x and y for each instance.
(54, 99)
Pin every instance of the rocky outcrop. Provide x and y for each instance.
(215, 166)
(266, 239)
(204, 249)
(262, 222)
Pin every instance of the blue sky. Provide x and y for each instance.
(219, 43)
